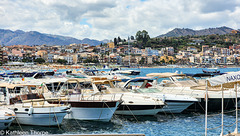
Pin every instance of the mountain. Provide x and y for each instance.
(177, 32)
(8, 37)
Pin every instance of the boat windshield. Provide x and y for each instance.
(147, 90)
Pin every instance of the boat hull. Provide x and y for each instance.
(138, 109)
(175, 106)
(214, 105)
(4, 124)
(135, 73)
(92, 110)
(40, 119)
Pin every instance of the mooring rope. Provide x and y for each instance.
(214, 128)
(56, 118)
(101, 112)
(112, 111)
(132, 113)
(18, 123)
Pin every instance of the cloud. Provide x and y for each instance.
(209, 6)
(106, 19)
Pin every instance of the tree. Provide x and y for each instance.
(61, 61)
(39, 60)
(171, 61)
(162, 61)
(115, 41)
(119, 39)
(95, 50)
(142, 61)
(132, 38)
(142, 38)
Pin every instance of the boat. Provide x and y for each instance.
(180, 84)
(174, 103)
(215, 71)
(102, 74)
(6, 117)
(87, 106)
(91, 110)
(32, 108)
(133, 103)
(126, 72)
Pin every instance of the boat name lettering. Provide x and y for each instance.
(234, 77)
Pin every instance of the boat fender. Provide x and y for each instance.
(30, 111)
(163, 98)
(115, 77)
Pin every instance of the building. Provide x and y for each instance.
(192, 49)
(151, 52)
(170, 51)
(205, 48)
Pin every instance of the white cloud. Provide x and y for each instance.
(106, 19)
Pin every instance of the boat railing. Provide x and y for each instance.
(98, 97)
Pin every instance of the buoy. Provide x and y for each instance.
(115, 77)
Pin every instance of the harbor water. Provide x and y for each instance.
(185, 124)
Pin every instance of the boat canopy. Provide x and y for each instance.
(79, 80)
(12, 86)
(226, 80)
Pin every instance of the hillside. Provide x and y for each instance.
(8, 37)
(177, 32)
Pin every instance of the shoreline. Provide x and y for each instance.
(56, 67)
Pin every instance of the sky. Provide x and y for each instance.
(107, 19)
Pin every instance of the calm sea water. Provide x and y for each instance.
(190, 124)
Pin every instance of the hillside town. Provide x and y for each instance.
(121, 55)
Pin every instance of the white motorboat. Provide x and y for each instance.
(174, 103)
(133, 104)
(87, 107)
(126, 72)
(97, 110)
(6, 117)
(102, 74)
(179, 84)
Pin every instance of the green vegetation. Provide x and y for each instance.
(181, 43)
(62, 61)
(142, 38)
(90, 61)
(39, 60)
